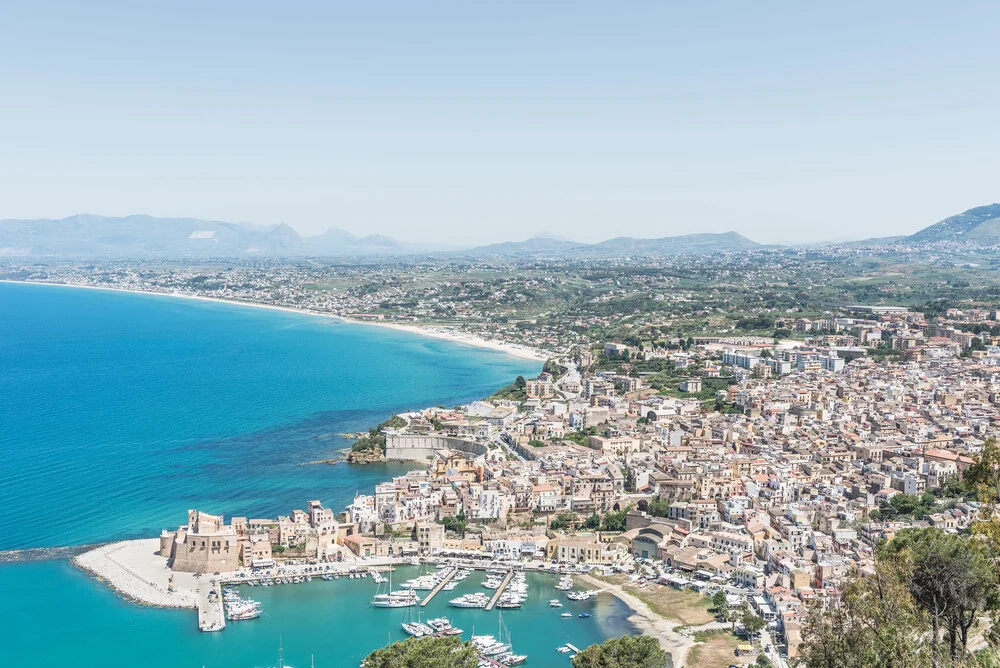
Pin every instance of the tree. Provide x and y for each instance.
(719, 601)
(615, 520)
(593, 522)
(948, 576)
(624, 652)
(752, 622)
(427, 652)
(878, 624)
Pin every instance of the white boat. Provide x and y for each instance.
(555, 603)
(394, 599)
(566, 615)
(477, 600)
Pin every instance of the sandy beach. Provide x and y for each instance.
(444, 333)
(648, 622)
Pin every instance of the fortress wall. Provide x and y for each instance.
(421, 447)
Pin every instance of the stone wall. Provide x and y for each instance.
(422, 447)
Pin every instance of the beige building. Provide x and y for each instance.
(204, 545)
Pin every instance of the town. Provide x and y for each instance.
(771, 470)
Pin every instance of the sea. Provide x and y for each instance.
(120, 411)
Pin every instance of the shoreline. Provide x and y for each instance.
(648, 622)
(515, 350)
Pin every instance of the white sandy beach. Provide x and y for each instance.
(648, 622)
(444, 333)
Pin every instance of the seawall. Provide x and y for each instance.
(420, 447)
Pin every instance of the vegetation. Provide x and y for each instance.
(455, 524)
(624, 652)
(615, 520)
(516, 391)
(905, 506)
(427, 652)
(375, 439)
(557, 370)
(927, 592)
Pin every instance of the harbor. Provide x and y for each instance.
(537, 629)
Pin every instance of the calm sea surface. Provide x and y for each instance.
(118, 412)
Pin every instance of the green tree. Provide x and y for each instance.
(624, 652)
(593, 522)
(719, 601)
(427, 652)
(948, 576)
(615, 520)
(752, 622)
(878, 624)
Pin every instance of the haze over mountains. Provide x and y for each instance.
(141, 236)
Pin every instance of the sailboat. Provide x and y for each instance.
(509, 658)
(394, 599)
(281, 655)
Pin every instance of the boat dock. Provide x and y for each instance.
(211, 615)
(503, 585)
(439, 587)
(573, 647)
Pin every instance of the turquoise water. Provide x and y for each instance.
(118, 412)
(65, 619)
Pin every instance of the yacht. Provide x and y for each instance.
(555, 603)
(394, 599)
(477, 600)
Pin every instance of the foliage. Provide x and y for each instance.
(593, 522)
(928, 589)
(516, 391)
(719, 601)
(564, 521)
(455, 524)
(535, 443)
(752, 622)
(658, 508)
(615, 520)
(878, 624)
(905, 506)
(557, 370)
(624, 652)
(375, 439)
(948, 576)
(427, 652)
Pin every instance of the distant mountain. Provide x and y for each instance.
(981, 224)
(87, 236)
(688, 244)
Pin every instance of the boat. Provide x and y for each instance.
(476, 600)
(442, 626)
(394, 599)
(555, 603)
(566, 615)
(584, 615)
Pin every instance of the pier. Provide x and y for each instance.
(503, 585)
(211, 615)
(439, 587)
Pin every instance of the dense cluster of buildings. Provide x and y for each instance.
(785, 493)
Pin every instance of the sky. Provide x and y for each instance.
(476, 122)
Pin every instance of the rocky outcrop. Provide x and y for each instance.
(365, 456)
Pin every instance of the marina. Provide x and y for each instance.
(500, 590)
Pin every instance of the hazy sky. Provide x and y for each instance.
(472, 122)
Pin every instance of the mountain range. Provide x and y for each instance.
(141, 236)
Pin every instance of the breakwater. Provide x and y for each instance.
(45, 553)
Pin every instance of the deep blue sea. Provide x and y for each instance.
(118, 412)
